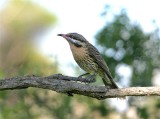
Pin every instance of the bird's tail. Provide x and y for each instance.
(108, 81)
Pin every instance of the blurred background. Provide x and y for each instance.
(125, 32)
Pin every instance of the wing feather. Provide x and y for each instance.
(94, 53)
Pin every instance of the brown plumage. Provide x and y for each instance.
(89, 58)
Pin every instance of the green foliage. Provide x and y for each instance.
(142, 112)
(123, 42)
(126, 43)
(22, 21)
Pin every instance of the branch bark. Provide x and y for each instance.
(70, 85)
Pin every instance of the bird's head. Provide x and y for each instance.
(75, 39)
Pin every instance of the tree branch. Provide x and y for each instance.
(69, 85)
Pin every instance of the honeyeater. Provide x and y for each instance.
(89, 58)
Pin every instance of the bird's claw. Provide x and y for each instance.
(90, 79)
(79, 77)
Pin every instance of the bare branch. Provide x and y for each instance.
(69, 85)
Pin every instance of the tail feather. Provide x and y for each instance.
(112, 84)
(108, 81)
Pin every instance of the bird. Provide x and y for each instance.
(89, 58)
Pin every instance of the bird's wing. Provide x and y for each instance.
(94, 53)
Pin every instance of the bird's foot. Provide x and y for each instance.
(90, 79)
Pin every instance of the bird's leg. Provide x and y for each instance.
(91, 77)
(83, 75)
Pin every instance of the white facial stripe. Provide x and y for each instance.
(74, 41)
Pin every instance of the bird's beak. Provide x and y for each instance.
(70, 40)
(60, 34)
(63, 35)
